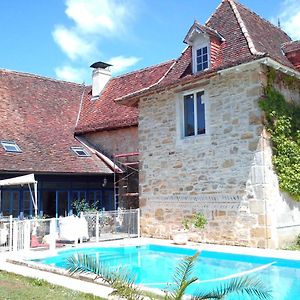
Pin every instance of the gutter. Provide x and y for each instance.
(104, 158)
(265, 61)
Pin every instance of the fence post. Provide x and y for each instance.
(15, 236)
(97, 227)
(52, 234)
(10, 233)
(138, 223)
(81, 235)
(26, 236)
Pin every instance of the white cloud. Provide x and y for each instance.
(100, 17)
(93, 21)
(121, 63)
(72, 74)
(290, 18)
(72, 44)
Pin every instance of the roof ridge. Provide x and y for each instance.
(26, 74)
(244, 28)
(146, 68)
(265, 20)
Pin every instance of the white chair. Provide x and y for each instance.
(3, 234)
(72, 228)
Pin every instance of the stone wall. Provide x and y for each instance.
(120, 141)
(223, 173)
(123, 140)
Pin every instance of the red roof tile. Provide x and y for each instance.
(105, 114)
(39, 114)
(247, 37)
(266, 37)
(291, 46)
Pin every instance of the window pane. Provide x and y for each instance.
(26, 203)
(205, 58)
(199, 60)
(15, 204)
(91, 198)
(200, 114)
(62, 209)
(205, 50)
(199, 52)
(5, 203)
(189, 115)
(199, 67)
(108, 200)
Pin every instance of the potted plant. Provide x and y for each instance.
(197, 221)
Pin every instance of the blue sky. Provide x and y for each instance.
(61, 38)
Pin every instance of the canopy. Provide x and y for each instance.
(22, 180)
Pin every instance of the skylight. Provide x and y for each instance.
(80, 151)
(10, 146)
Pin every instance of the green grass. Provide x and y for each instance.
(15, 287)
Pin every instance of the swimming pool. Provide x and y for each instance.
(154, 265)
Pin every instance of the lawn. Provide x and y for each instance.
(18, 287)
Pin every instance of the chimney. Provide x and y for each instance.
(101, 75)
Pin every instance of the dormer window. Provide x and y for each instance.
(202, 59)
(10, 146)
(205, 43)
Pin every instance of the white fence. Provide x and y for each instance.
(16, 235)
(106, 225)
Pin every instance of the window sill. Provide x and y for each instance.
(202, 139)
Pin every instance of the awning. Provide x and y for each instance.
(23, 180)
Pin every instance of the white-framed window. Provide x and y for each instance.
(11, 146)
(202, 61)
(201, 54)
(80, 151)
(193, 114)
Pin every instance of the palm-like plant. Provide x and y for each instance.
(120, 280)
(124, 286)
(183, 277)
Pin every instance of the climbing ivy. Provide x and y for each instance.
(283, 124)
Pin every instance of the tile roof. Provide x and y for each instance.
(104, 113)
(266, 37)
(247, 37)
(39, 114)
(291, 46)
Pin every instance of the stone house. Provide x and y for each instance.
(202, 141)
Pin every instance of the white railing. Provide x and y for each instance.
(16, 235)
(108, 225)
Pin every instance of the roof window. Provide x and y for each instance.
(10, 146)
(80, 151)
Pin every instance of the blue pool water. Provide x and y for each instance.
(154, 266)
